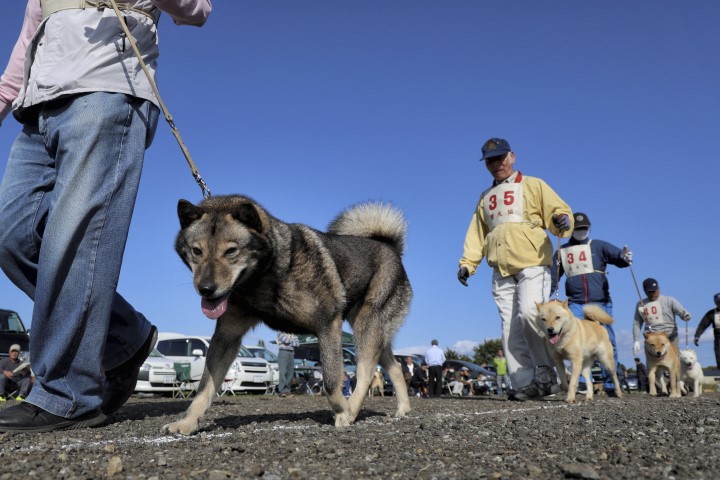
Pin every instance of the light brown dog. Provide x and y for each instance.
(377, 382)
(579, 341)
(662, 353)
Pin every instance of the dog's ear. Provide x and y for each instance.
(188, 213)
(565, 304)
(538, 305)
(246, 214)
(645, 334)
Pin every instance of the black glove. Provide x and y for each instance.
(463, 275)
(561, 222)
(696, 342)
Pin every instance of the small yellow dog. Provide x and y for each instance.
(579, 341)
(662, 353)
(377, 382)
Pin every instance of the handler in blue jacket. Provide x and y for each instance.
(585, 262)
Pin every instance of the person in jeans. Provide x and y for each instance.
(67, 196)
(584, 262)
(501, 372)
(287, 343)
(508, 229)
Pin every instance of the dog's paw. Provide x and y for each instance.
(402, 410)
(342, 420)
(570, 400)
(186, 426)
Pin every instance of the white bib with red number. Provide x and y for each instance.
(503, 203)
(652, 313)
(576, 260)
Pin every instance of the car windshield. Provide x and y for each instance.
(267, 355)
(244, 352)
(155, 353)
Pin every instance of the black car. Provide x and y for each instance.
(12, 331)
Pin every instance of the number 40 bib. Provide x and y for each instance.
(576, 260)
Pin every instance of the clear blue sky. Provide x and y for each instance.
(312, 106)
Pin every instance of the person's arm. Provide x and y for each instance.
(186, 12)
(704, 324)
(553, 207)
(614, 255)
(679, 310)
(12, 79)
(474, 248)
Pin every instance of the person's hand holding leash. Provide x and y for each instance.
(561, 222)
(627, 255)
(696, 341)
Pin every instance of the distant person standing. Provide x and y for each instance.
(712, 317)
(584, 262)
(508, 229)
(500, 363)
(658, 313)
(287, 343)
(642, 376)
(435, 359)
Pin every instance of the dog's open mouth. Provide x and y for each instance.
(553, 338)
(213, 308)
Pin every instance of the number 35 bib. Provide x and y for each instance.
(652, 313)
(503, 203)
(577, 260)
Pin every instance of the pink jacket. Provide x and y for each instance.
(187, 12)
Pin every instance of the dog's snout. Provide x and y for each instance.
(551, 330)
(207, 290)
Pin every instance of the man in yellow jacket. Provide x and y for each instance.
(508, 229)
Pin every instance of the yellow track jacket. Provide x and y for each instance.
(510, 247)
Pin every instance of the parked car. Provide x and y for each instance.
(12, 330)
(157, 374)
(632, 381)
(247, 372)
(418, 360)
(272, 359)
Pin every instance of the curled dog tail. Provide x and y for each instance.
(379, 221)
(593, 312)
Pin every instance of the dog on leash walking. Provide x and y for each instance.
(662, 353)
(250, 267)
(579, 341)
(692, 373)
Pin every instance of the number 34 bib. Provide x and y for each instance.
(577, 260)
(503, 203)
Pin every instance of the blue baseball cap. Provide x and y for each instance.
(495, 147)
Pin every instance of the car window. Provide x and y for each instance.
(196, 344)
(10, 322)
(270, 356)
(244, 352)
(173, 348)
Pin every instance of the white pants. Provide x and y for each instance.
(523, 339)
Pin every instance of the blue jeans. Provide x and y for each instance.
(66, 200)
(286, 367)
(577, 309)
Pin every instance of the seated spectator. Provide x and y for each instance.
(15, 375)
(408, 369)
(420, 380)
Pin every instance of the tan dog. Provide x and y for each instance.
(662, 353)
(579, 341)
(377, 382)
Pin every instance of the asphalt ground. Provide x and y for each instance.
(260, 436)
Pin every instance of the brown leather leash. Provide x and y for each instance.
(193, 168)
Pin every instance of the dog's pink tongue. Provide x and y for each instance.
(555, 339)
(213, 309)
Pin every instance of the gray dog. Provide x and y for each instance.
(249, 267)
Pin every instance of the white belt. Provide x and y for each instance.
(51, 6)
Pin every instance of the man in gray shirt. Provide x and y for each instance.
(658, 313)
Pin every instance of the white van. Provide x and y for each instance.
(247, 372)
